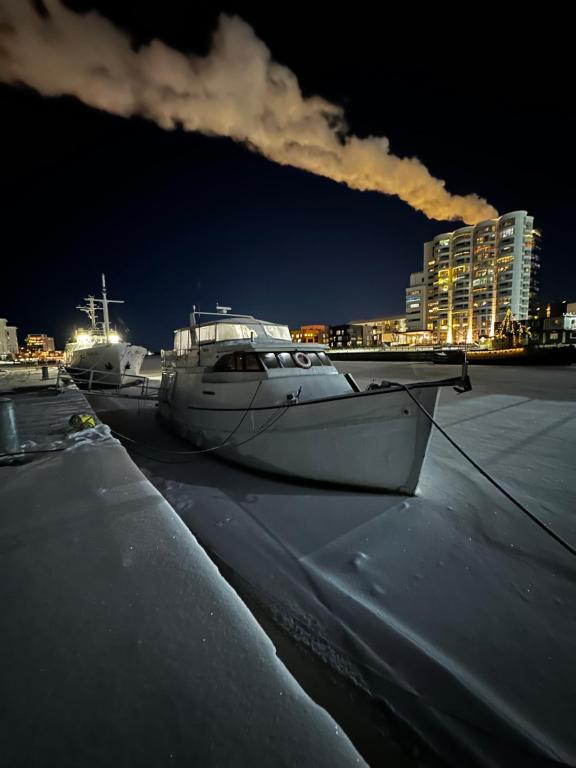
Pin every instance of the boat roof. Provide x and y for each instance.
(244, 345)
(248, 333)
(242, 319)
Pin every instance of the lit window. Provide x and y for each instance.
(280, 332)
(231, 331)
(207, 334)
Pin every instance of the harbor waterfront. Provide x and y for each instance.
(448, 593)
(337, 531)
(91, 558)
(562, 355)
(330, 566)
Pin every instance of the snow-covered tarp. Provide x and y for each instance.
(121, 644)
(451, 605)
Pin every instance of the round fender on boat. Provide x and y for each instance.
(302, 360)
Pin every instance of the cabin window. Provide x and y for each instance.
(280, 332)
(314, 359)
(324, 359)
(182, 342)
(206, 334)
(270, 360)
(286, 360)
(238, 362)
(226, 363)
(251, 361)
(234, 331)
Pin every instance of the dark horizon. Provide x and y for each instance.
(176, 219)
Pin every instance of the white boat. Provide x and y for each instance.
(240, 387)
(97, 356)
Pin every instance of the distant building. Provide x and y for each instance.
(474, 274)
(419, 338)
(39, 342)
(8, 339)
(554, 330)
(383, 330)
(311, 334)
(546, 309)
(347, 335)
(416, 302)
(12, 339)
(555, 323)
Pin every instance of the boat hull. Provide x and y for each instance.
(373, 440)
(106, 365)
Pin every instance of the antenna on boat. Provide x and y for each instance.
(105, 301)
(90, 310)
(196, 315)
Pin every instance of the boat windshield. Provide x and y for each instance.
(232, 331)
(278, 332)
(186, 338)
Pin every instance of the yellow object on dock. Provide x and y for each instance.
(81, 421)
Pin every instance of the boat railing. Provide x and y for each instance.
(93, 379)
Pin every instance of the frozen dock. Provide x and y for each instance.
(452, 606)
(121, 644)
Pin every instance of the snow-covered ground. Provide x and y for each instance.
(42, 413)
(13, 377)
(121, 644)
(451, 605)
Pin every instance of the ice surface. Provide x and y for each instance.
(452, 605)
(121, 643)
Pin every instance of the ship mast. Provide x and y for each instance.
(105, 301)
(90, 310)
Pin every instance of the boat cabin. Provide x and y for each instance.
(246, 345)
(231, 329)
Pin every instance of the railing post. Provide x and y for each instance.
(8, 429)
(90, 378)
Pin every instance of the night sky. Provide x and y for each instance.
(176, 219)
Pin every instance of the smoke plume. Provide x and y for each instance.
(236, 91)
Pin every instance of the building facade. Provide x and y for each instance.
(416, 302)
(39, 342)
(555, 323)
(8, 339)
(311, 334)
(555, 330)
(347, 335)
(473, 275)
(383, 330)
(547, 309)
